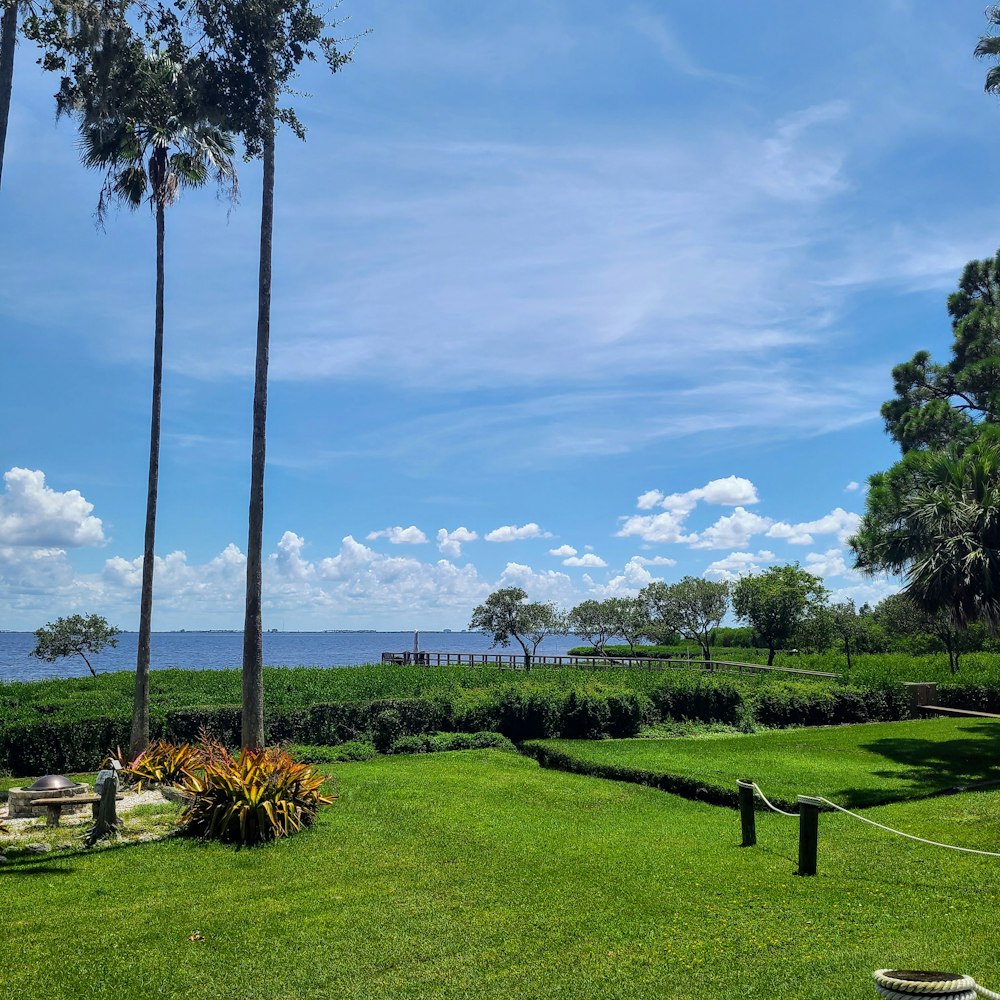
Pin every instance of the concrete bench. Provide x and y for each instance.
(54, 805)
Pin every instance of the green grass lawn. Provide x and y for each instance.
(855, 766)
(478, 874)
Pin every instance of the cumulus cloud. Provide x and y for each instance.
(288, 561)
(653, 561)
(829, 563)
(589, 560)
(838, 522)
(649, 500)
(670, 526)
(218, 585)
(852, 486)
(733, 531)
(399, 536)
(657, 528)
(633, 577)
(511, 533)
(547, 585)
(563, 551)
(450, 542)
(33, 514)
(738, 564)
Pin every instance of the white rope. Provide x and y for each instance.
(906, 985)
(909, 836)
(771, 805)
(881, 826)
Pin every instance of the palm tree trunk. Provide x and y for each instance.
(140, 703)
(8, 35)
(253, 629)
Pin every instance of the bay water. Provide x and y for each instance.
(221, 650)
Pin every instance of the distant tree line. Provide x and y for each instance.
(785, 608)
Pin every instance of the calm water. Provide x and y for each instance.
(217, 650)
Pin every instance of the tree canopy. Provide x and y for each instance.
(74, 635)
(776, 602)
(937, 405)
(693, 607)
(934, 517)
(506, 614)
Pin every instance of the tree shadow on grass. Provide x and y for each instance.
(930, 767)
(21, 867)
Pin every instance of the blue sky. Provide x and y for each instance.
(567, 295)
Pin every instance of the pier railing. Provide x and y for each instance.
(515, 661)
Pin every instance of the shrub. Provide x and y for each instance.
(445, 742)
(409, 744)
(351, 750)
(386, 730)
(223, 722)
(698, 699)
(254, 798)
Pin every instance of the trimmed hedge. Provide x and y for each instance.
(67, 745)
(444, 742)
(533, 709)
(689, 788)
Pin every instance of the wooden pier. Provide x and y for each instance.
(515, 661)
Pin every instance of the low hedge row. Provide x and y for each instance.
(70, 745)
(689, 788)
(61, 745)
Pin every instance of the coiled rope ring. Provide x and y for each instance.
(903, 984)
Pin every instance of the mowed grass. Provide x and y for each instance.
(855, 766)
(478, 874)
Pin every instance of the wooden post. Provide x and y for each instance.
(107, 813)
(748, 819)
(808, 834)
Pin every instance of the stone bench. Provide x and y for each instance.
(54, 805)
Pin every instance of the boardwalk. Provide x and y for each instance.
(515, 661)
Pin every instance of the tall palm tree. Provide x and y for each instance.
(935, 518)
(149, 147)
(8, 36)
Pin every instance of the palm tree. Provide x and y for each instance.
(8, 36)
(935, 518)
(149, 147)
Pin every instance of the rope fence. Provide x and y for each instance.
(808, 817)
(895, 984)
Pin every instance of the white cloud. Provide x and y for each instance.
(653, 561)
(865, 592)
(733, 531)
(353, 555)
(730, 492)
(738, 564)
(563, 551)
(589, 560)
(399, 536)
(829, 563)
(838, 522)
(669, 526)
(34, 514)
(288, 561)
(450, 542)
(665, 527)
(510, 533)
(548, 585)
(852, 486)
(633, 577)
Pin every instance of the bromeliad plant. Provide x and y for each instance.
(162, 763)
(254, 798)
(259, 796)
